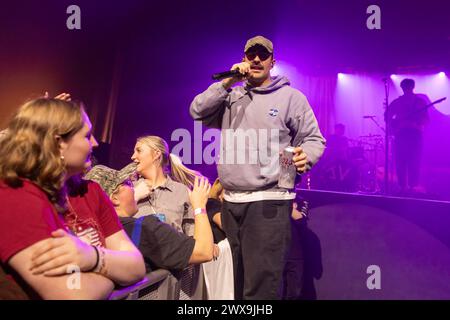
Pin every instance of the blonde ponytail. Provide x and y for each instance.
(180, 173)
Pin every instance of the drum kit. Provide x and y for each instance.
(357, 168)
(358, 165)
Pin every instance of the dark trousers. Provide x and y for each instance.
(294, 270)
(259, 234)
(408, 153)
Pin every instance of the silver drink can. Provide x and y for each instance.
(288, 171)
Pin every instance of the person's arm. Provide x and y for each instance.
(204, 241)
(306, 133)
(124, 262)
(209, 105)
(120, 260)
(424, 106)
(217, 219)
(81, 286)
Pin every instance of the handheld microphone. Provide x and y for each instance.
(368, 117)
(226, 74)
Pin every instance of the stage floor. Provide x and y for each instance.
(354, 242)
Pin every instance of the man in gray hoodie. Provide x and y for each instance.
(258, 120)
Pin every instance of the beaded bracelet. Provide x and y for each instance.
(101, 268)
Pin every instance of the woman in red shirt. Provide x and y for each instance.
(53, 223)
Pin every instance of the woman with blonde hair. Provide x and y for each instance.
(163, 187)
(53, 223)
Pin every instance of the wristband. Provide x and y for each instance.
(97, 259)
(199, 211)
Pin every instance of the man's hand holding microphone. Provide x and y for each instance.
(244, 72)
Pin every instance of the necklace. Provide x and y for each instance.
(71, 218)
(86, 230)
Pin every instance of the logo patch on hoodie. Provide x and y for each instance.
(273, 112)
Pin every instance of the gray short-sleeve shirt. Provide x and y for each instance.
(172, 200)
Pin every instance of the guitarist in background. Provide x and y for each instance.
(407, 118)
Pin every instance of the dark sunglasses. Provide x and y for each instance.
(263, 55)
